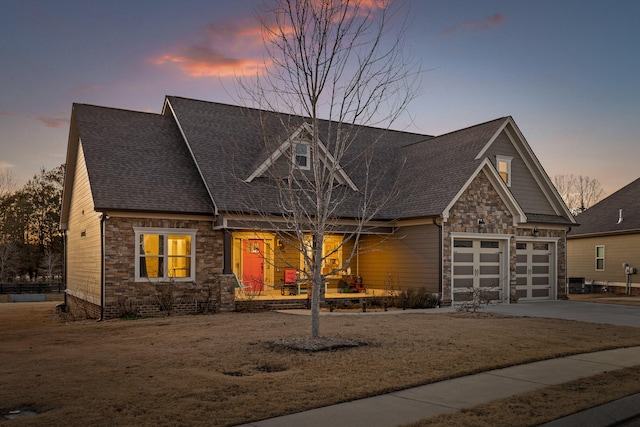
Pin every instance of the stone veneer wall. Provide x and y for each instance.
(481, 200)
(210, 292)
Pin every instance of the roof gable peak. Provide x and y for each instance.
(303, 134)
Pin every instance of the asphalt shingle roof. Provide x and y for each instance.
(438, 168)
(229, 142)
(196, 157)
(603, 216)
(139, 162)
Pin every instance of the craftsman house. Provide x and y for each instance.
(604, 252)
(178, 210)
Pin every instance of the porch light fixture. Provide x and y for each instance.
(481, 223)
(536, 232)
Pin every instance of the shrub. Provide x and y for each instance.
(416, 298)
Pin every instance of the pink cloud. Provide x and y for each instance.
(479, 25)
(86, 89)
(53, 122)
(224, 49)
(230, 48)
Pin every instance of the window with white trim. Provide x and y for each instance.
(165, 254)
(302, 155)
(503, 164)
(600, 258)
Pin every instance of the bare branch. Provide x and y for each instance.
(578, 192)
(334, 67)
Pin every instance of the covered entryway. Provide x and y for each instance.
(534, 270)
(478, 269)
(253, 264)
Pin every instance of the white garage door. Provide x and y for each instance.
(534, 270)
(477, 267)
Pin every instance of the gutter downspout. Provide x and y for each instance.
(103, 217)
(64, 266)
(435, 222)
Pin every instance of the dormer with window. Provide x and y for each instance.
(297, 150)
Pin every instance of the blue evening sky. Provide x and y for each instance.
(567, 71)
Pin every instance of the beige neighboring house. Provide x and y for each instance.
(605, 249)
(160, 210)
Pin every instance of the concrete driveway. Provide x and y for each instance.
(622, 315)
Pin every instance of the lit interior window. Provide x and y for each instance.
(164, 255)
(504, 169)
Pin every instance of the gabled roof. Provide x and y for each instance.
(227, 140)
(135, 161)
(604, 217)
(325, 156)
(438, 168)
(501, 188)
(197, 156)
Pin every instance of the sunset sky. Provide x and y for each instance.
(567, 71)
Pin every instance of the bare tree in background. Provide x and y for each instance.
(7, 182)
(578, 192)
(9, 261)
(336, 60)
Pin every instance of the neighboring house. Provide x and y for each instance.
(160, 210)
(608, 241)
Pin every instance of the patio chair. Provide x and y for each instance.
(241, 287)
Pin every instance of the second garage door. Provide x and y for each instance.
(534, 270)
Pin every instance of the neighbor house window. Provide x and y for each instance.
(302, 156)
(504, 168)
(600, 258)
(165, 254)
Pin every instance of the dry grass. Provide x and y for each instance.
(223, 369)
(540, 406)
(607, 299)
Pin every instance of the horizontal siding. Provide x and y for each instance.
(83, 238)
(581, 257)
(408, 259)
(523, 185)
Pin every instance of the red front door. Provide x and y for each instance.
(253, 264)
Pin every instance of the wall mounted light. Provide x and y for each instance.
(536, 232)
(481, 223)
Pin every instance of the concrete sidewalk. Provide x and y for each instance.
(417, 403)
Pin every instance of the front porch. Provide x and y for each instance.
(273, 299)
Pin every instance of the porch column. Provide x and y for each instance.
(226, 267)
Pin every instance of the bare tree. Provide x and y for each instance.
(578, 192)
(337, 64)
(50, 265)
(9, 261)
(7, 182)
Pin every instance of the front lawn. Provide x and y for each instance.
(216, 370)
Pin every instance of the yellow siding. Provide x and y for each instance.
(581, 257)
(83, 238)
(408, 259)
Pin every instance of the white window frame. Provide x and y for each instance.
(598, 258)
(165, 232)
(306, 155)
(507, 161)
